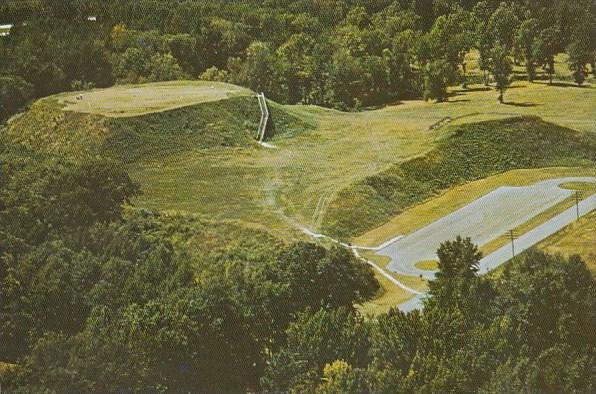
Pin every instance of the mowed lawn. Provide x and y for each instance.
(577, 238)
(293, 183)
(134, 100)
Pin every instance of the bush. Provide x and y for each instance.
(14, 94)
(214, 74)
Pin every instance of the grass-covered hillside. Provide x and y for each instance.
(195, 150)
(152, 120)
(467, 153)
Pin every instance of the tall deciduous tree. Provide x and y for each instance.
(501, 69)
(438, 75)
(524, 42)
(546, 47)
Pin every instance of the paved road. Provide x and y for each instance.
(536, 235)
(524, 242)
(483, 220)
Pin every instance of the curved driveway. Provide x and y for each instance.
(486, 219)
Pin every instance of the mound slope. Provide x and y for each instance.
(467, 153)
(199, 118)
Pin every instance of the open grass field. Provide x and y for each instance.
(134, 100)
(577, 238)
(192, 151)
(199, 157)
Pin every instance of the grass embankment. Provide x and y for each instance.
(577, 238)
(195, 158)
(457, 197)
(224, 123)
(467, 153)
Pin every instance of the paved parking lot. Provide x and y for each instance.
(483, 220)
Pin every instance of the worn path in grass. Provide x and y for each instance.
(484, 220)
(305, 172)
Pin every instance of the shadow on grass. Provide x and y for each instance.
(469, 90)
(521, 104)
(563, 84)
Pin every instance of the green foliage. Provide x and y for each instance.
(528, 331)
(102, 299)
(582, 50)
(547, 45)
(327, 53)
(15, 92)
(438, 75)
(214, 74)
(501, 69)
(314, 340)
(470, 152)
(524, 43)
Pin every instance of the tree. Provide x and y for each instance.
(545, 49)
(214, 74)
(314, 340)
(456, 284)
(340, 377)
(438, 75)
(501, 69)
(503, 24)
(451, 38)
(163, 67)
(458, 259)
(298, 66)
(15, 92)
(259, 71)
(581, 51)
(524, 42)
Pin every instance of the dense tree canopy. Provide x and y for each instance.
(529, 330)
(101, 296)
(340, 53)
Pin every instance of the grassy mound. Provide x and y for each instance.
(134, 100)
(467, 153)
(47, 127)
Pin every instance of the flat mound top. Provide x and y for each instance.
(134, 100)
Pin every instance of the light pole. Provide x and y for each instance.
(578, 197)
(512, 237)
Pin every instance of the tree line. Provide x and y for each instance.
(339, 53)
(99, 296)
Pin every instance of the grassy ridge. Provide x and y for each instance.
(232, 122)
(226, 123)
(469, 152)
